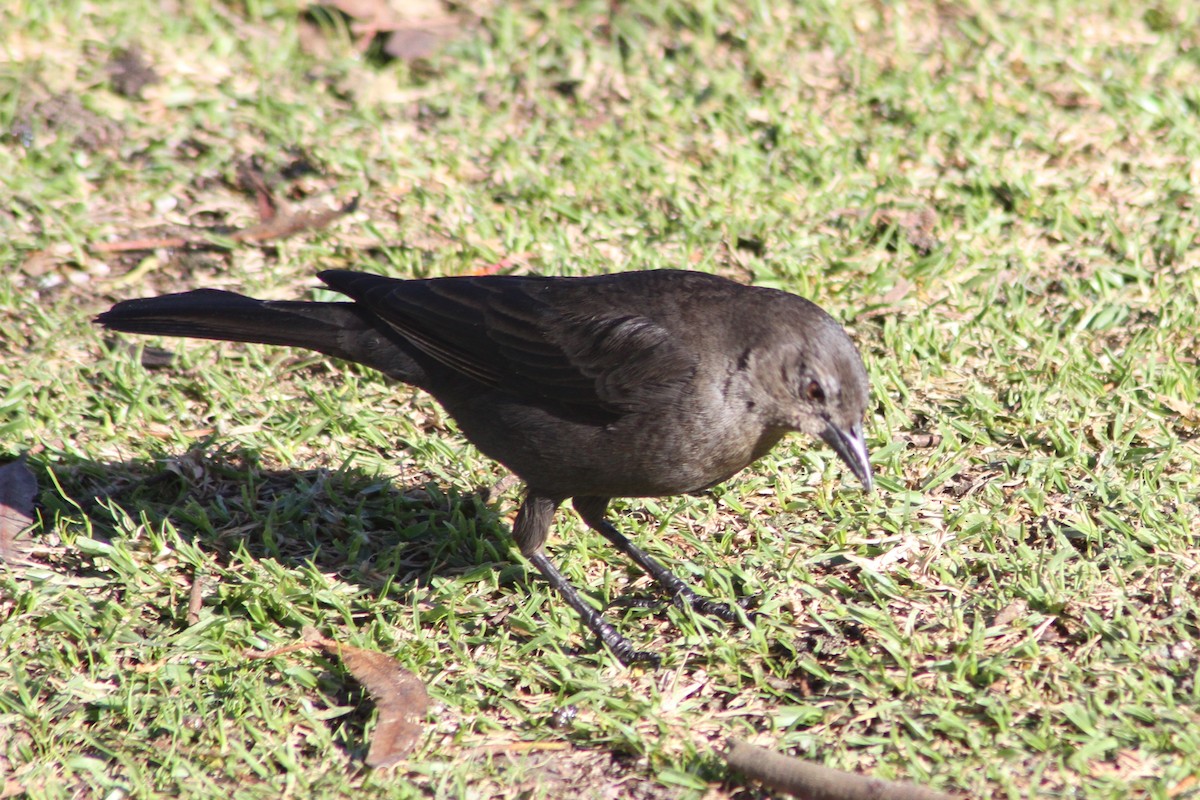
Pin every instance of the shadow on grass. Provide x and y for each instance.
(393, 540)
(350, 522)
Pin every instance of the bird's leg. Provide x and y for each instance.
(530, 530)
(592, 511)
(620, 646)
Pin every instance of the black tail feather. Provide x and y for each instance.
(342, 330)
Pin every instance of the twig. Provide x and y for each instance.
(814, 781)
(195, 597)
(278, 226)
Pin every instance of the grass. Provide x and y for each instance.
(1013, 613)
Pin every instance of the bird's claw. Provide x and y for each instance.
(710, 608)
(629, 657)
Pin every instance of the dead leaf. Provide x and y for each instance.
(923, 439)
(415, 28)
(897, 292)
(287, 222)
(18, 487)
(1011, 613)
(282, 224)
(916, 226)
(398, 694)
(890, 302)
(419, 39)
(504, 265)
(252, 178)
(1186, 411)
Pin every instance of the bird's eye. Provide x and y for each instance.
(813, 392)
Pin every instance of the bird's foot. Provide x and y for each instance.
(640, 601)
(687, 598)
(625, 653)
(621, 647)
(711, 608)
(592, 618)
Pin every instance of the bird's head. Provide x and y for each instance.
(817, 384)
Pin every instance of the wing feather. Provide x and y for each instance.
(529, 336)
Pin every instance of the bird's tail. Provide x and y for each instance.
(342, 330)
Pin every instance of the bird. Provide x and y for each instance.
(625, 385)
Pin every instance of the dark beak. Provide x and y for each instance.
(852, 448)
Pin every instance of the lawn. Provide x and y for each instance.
(997, 199)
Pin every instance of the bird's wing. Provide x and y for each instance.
(538, 337)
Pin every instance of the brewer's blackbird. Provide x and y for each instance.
(637, 384)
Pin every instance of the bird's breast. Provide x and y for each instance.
(636, 455)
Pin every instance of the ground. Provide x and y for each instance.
(998, 200)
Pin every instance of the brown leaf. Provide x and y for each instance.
(398, 694)
(1184, 785)
(923, 439)
(916, 226)
(415, 28)
(18, 487)
(282, 224)
(419, 40)
(362, 9)
(1011, 613)
(251, 177)
(287, 222)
